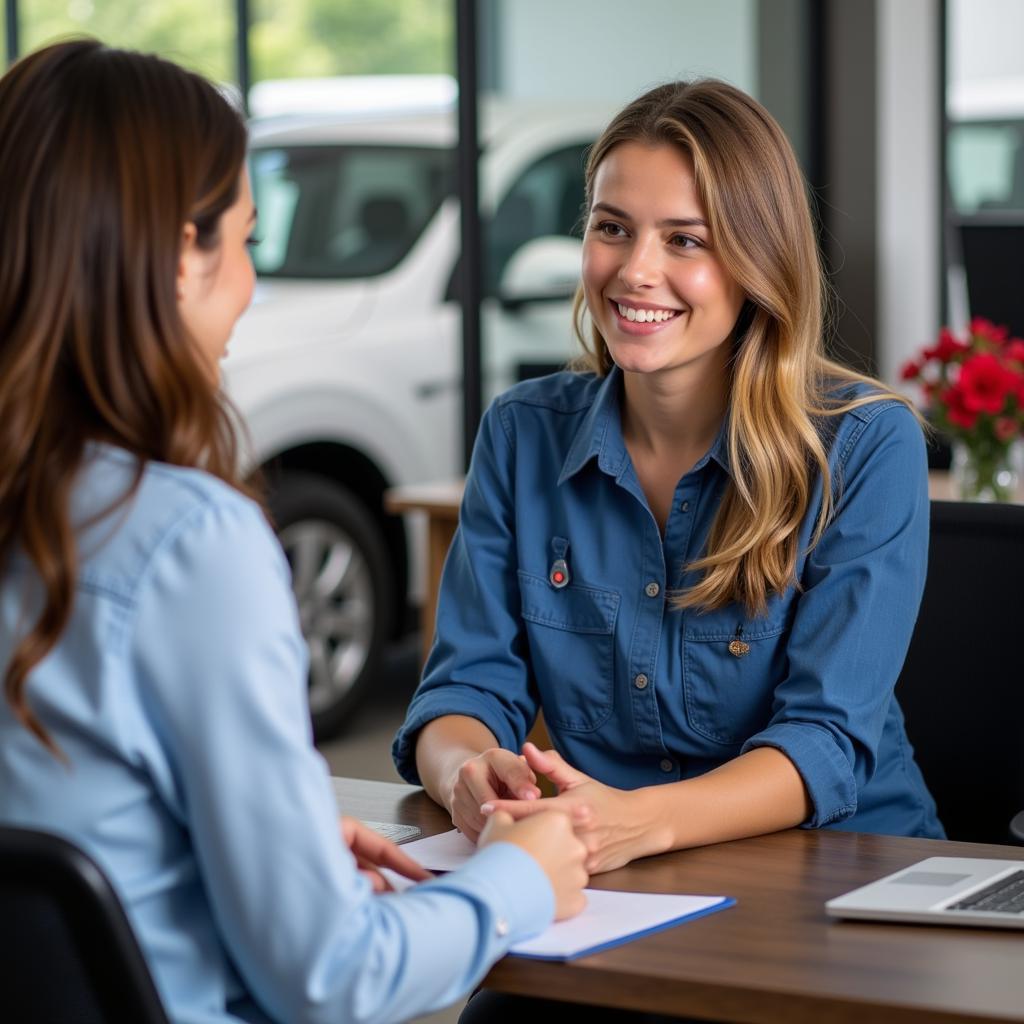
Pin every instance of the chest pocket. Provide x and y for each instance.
(571, 634)
(729, 693)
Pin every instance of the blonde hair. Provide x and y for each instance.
(755, 200)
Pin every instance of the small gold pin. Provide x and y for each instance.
(738, 647)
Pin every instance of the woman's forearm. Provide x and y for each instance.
(443, 746)
(759, 792)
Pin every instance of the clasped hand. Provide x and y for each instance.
(615, 825)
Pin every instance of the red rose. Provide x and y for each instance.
(1005, 428)
(988, 330)
(956, 410)
(985, 383)
(910, 370)
(946, 348)
(1014, 350)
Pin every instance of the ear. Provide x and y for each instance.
(188, 260)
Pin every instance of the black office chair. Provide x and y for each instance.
(961, 686)
(67, 952)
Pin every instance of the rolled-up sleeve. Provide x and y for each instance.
(478, 665)
(861, 589)
(222, 661)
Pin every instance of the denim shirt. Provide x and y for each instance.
(635, 692)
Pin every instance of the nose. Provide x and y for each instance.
(642, 266)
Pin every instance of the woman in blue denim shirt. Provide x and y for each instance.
(701, 554)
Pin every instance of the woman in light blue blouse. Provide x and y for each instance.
(701, 554)
(154, 673)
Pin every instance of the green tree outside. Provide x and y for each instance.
(307, 38)
(288, 38)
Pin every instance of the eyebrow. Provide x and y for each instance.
(252, 216)
(675, 222)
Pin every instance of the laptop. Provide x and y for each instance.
(942, 890)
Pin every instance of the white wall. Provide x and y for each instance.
(908, 228)
(986, 38)
(615, 49)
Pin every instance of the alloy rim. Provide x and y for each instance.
(334, 591)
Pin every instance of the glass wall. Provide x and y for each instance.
(197, 33)
(985, 158)
(316, 38)
(552, 92)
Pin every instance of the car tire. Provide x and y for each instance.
(342, 580)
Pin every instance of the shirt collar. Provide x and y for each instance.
(600, 435)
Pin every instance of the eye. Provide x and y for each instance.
(610, 229)
(252, 241)
(685, 242)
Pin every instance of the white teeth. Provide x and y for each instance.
(645, 316)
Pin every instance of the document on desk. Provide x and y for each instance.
(611, 917)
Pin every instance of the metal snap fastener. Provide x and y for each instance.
(667, 765)
(640, 681)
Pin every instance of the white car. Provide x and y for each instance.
(347, 368)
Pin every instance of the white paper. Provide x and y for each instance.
(443, 852)
(610, 917)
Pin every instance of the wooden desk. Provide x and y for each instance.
(775, 956)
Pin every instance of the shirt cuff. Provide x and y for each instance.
(509, 881)
(822, 765)
(451, 699)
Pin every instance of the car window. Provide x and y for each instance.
(547, 199)
(343, 211)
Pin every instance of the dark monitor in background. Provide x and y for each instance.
(993, 259)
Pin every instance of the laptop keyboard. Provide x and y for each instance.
(1003, 897)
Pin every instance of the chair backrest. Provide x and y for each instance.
(962, 686)
(67, 952)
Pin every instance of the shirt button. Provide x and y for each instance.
(666, 765)
(640, 681)
(501, 927)
(652, 589)
(685, 507)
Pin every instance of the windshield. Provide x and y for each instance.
(343, 211)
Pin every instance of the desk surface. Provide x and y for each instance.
(775, 956)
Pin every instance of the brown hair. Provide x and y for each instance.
(755, 198)
(105, 156)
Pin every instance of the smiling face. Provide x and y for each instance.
(654, 285)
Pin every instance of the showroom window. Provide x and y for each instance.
(985, 159)
(197, 33)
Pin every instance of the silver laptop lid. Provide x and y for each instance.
(942, 890)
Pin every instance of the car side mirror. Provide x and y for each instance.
(545, 269)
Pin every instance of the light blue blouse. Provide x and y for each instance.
(636, 693)
(178, 694)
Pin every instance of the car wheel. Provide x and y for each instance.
(342, 583)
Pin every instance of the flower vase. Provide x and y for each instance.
(985, 472)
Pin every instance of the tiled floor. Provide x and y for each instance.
(363, 749)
